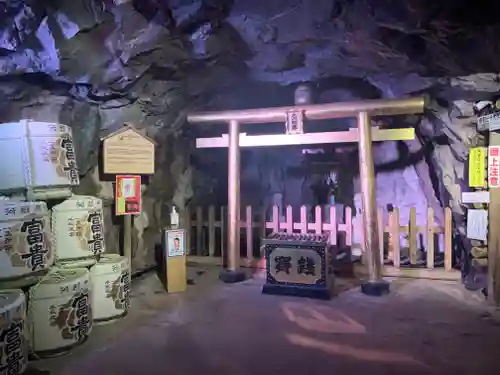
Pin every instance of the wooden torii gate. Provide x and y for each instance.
(293, 116)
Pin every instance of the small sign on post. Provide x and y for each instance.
(294, 122)
(489, 122)
(128, 195)
(174, 245)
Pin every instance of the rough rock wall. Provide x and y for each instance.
(449, 130)
(171, 183)
(397, 183)
(85, 80)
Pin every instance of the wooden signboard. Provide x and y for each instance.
(174, 245)
(127, 151)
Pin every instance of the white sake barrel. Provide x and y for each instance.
(77, 228)
(25, 239)
(110, 282)
(39, 159)
(59, 311)
(13, 342)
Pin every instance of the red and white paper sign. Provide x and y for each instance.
(493, 166)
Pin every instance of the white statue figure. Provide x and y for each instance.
(303, 95)
(357, 227)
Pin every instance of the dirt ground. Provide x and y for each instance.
(422, 327)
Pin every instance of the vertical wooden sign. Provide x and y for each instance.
(493, 166)
(494, 221)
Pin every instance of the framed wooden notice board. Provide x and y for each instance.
(128, 151)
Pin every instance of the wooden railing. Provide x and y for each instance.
(206, 237)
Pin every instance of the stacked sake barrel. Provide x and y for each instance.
(77, 231)
(77, 226)
(38, 160)
(13, 340)
(60, 311)
(57, 266)
(26, 251)
(39, 163)
(110, 288)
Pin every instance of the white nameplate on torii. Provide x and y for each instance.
(350, 136)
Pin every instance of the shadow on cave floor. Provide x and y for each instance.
(422, 327)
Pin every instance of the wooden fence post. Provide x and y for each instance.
(448, 233)
(348, 226)
(188, 226)
(249, 230)
(331, 226)
(275, 220)
(381, 234)
(430, 238)
(211, 230)
(303, 220)
(396, 240)
(199, 230)
(412, 236)
(318, 220)
(223, 229)
(288, 224)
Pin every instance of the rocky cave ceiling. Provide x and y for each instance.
(153, 52)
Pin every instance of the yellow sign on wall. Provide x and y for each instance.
(477, 167)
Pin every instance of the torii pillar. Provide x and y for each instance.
(364, 135)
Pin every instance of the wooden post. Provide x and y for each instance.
(249, 230)
(223, 236)
(211, 231)
(199, 231)
(448, 240)
(381, 232)
(233, 274)
(188, 227)
(127, 240)
(396, 241)
(494, 237)
(430, 238)
(412, 236)
(374, 286)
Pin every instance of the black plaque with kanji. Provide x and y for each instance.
(298, 264)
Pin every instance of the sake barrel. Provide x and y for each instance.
(77, 228)
(110, 280)
(40, 159)
(13, 342)
(59, 311)
(25, 239)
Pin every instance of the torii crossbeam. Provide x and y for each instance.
(363, 135)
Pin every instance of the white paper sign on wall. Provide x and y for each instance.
(477, 224)
(476, 197)
(493, 166)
